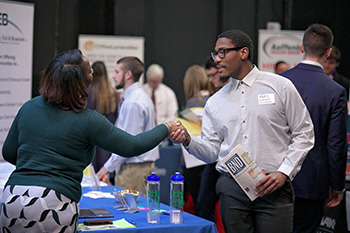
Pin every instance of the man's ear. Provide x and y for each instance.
(244, 53)
(302, 50)
(328, 53)
(128, 75)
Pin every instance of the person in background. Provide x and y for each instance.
(264, 113)
(207, 197)
(162, 96)
(196, 87)
(51, 141)
(214, 76)
(281, 66)
(136, 115)
(104, 99)
(196, 94)
(329, 67)
(321, 179)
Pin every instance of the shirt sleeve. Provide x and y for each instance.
(11, 145)
(172, 106)
(207, 147)
(337, 142)
(301, 130)
(105, 135)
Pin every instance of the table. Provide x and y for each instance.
(190, 224)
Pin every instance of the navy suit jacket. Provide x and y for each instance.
(324, 166)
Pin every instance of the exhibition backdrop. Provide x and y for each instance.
(16, 51)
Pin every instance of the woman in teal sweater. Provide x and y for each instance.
(51, 141)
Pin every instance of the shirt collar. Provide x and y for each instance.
(249, 78)
(130, 89)
(315, 63)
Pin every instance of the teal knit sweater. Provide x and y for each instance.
(51, 147)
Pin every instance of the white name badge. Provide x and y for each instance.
(266, 99)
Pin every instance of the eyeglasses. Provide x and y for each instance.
(221, 53)
(212, 75)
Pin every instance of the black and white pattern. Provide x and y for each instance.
(36, 209)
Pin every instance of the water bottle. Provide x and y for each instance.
(153, 198)
(176, 198)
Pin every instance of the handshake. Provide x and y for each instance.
(177, 132)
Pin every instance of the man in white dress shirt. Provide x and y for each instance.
(265, 114)
(163, 96)
(136, 115)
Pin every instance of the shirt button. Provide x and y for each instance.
(243, 121)
(242, 92)
(245, 137)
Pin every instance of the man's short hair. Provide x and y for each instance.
(155, 70)
(133, 64)
(317, 40)
(335, 54)
(210, 63)
(239, 39)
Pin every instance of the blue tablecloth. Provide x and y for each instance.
(191, 223)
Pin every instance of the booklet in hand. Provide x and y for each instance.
(244, 170)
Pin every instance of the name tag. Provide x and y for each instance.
(266, 99)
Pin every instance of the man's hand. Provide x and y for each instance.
(270, 183)
(180, 135)
(334, 199)
(101, 173)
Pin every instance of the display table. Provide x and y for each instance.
(190, 224)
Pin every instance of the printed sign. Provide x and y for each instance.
(277, 46)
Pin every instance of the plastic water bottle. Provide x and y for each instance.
(153, 198)
(176, 198)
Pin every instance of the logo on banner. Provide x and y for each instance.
(89, 45)
(282, 45)
(4, 21)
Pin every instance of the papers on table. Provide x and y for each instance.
(244, 170)
(117, 224)
(98, 194)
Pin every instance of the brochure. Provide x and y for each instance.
(244, 170)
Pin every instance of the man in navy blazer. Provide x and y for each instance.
(321, 179)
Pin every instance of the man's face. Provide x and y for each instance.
(329, 66)
(154, 82)
(119, 76)
(214, 77)
(230, 65)
(281, 68)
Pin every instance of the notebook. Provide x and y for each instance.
(95, 213)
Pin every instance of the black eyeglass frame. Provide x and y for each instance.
(223, 52)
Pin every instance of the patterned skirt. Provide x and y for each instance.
(36, 209)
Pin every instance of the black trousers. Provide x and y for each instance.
(271, 213)
(307, 215)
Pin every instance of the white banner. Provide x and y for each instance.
(110, 49)
(277, 46)
(16, 58)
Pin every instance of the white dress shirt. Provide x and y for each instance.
(166, 102)
(136, 115)
(266, 115)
